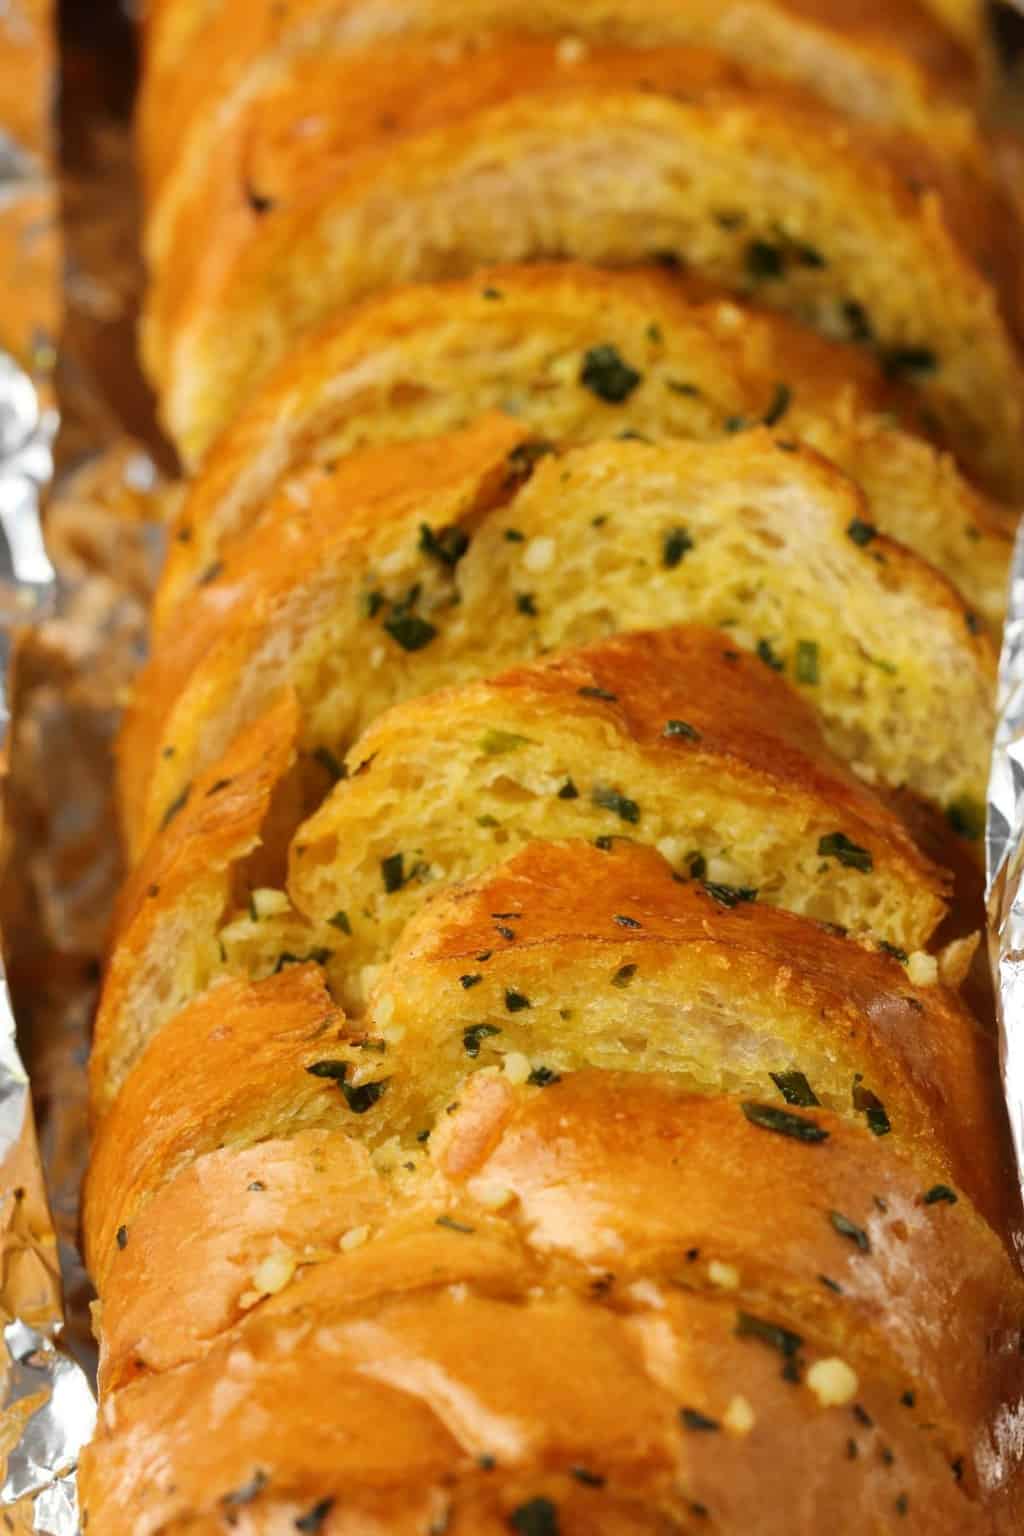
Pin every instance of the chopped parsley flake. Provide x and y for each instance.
(598, 693)
(728, 895)
(940, 1194)
(767, 655)
(410, 631)
(392, 872)
(122, 1237)
(861, 532)
(445, 544)
(784, 1340)
(836, 845)
(626, 922)
(693, 1420)
(765, 261)
(676, 543)
(807, 662)
(915, 360)
(526, 604)
(614, 800)
(472, 1037)
(543, 1077)
(607, 375)
(465, 982)
(495, 743)
(871, 1106)
(780, 405)
(795, 1089)
(538, 1517)
(568, 791)
(340, 920)
(586, 1477)
(176, 806)
(247, 1492)
(513, 536)
(624, 975)
(798, 1127)
(312, 1521)
(515, 1002)
(454, 1226)
(849, 1229)
(681, 730)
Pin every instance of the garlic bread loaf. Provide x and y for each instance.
(578, 355)
(535, 1086)
(389, 590)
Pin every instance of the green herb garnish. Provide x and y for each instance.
(780, 405)
(607, 375)
(538, 1517)
(676, 543)
(807, 662)
(392, 872)
(340, 920)
(410, 631)
(767, 655)
(765, 261)
(798, 1127)
(543, 1077)
(795, 1089)
(495, 743)
(447, 544)
(693, 1420)
(836, 845)
(967, 818)
(940, 1194)
(515, 1002)
(614, 800)
(849, 1229)
(472, 1037)
(861, 532)
(624, 975)
(728, 895)
(681, 729)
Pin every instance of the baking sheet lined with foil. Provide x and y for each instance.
(81, 601)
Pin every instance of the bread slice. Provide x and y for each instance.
(204, 60)
(616, 1419)
(380, 601)
(699, 750)
(721, 995)
(780, 202)
(428, 360)
(224, 828)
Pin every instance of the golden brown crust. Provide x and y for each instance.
(420, 1383)
(167, 914)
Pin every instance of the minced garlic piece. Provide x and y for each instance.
(727, 1276)
(355, 1237)
(739, 1418)
(493, 1196)
(571, 50)
(274, 1273)
(833, 1382)
(517, 1067)
(923, 969)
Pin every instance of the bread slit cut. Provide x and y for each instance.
(674, 739)
(456, 567)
